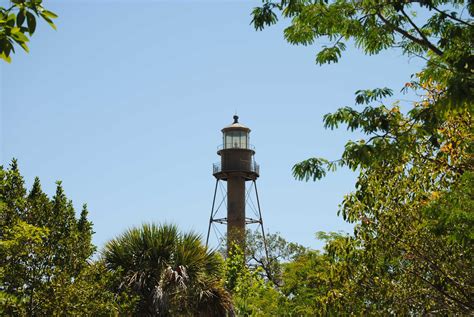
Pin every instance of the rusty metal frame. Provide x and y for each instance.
(248, 220)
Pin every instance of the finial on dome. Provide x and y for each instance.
(236, 119)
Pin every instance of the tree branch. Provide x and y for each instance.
(408, 35)
(451, 16)
(424, 58)
(421, 3)
(423, 36)
(466, 305)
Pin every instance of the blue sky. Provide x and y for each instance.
(125, 101)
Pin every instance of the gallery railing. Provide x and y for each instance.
(240, 166)
(236, 146)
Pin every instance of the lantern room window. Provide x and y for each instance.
(235, 139)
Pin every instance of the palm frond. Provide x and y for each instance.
(171, 271)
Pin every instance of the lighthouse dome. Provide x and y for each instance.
(236, 125)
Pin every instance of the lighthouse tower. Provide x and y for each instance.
(236, 168)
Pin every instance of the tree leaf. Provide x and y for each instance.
(49, 14)
(31, 21)
(6, 58)
(20, 18)
(48, 20)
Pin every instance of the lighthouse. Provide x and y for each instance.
(237, 167)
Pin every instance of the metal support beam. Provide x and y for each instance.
(248, 220)
(261, 220)
(212, 213)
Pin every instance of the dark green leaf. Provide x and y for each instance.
(31, 21)
(20, 18)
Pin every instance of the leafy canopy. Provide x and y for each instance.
(412, 244)
(45, 252)
(438, 31)
(411, 249)
(18, 24)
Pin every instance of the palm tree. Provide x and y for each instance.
(172, 273)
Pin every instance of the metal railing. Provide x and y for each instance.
(236, 146)
(242, 166)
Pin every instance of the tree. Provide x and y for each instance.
(21, 249)
(410, 253)
(18, 23)
(91, 294)
(171, 272)
(252, 293)
(412, 244)
(439, 31)
(279, 250)
(44, 252)
(306, 284)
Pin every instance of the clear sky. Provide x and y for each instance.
(125, 101)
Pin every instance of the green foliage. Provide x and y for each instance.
(441, 32)
(18, 23)
(21, 249)
(90, 294)
(393, 136)
(412, 205)
(252, 295)
(452, 216)
(170, 272)
(412, 210)
(312, 168)
(271, 256)
(44, 252)
(306, 283)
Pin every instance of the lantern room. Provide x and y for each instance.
(235, 136)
